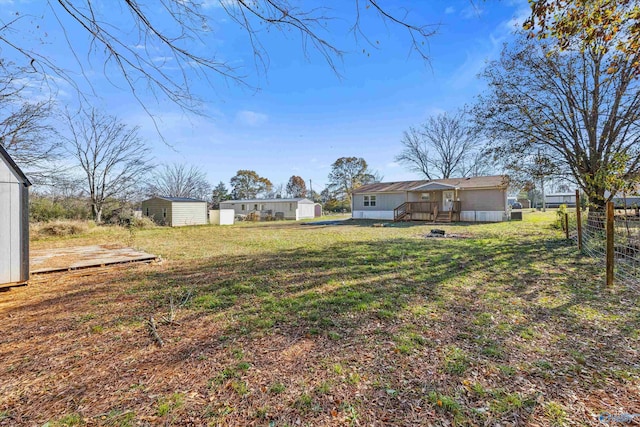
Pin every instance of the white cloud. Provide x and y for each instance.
(488, 50)
(449, 10)
(515, 23)
(251, 118)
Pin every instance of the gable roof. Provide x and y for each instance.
(298, 199)
(181, 199)
(14, 166)
(494, 181)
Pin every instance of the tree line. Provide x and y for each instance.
(562, 99)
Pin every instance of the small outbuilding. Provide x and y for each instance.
(299, 208)
(176, 211)
(14, 222)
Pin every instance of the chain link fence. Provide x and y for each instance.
(625, 245)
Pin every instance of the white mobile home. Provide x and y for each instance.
(295, 209)
(176, 211)
(14, 222)
(554, 200)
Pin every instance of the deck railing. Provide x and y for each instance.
(405, 210)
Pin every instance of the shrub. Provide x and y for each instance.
(562, 209)
(142, 223)
(60, 228)
(46, 209)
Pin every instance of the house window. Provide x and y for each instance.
(164, 212)
(255, 207)
(425, 196)
(147, 211)
(369, 200)
(290, 206)
(242, 208)
(261, 207)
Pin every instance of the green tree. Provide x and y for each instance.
(296, 187)
(349, 173)
(612, 27)
(220, 194)
(247, 184)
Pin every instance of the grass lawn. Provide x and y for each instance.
(279, 324)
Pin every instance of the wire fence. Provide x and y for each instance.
(625, 244)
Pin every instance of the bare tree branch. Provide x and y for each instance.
(112, 156)
(443, 147)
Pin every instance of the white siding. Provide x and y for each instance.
(188, 213)
(291, 209)
(372, 215)
(306, 210)
(12, 252)
(221, 216)
(482, 216)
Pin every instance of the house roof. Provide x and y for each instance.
(181, 199)
(494, 181)
(298, 199)
(14, 166)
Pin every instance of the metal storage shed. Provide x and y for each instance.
(14, 222)
(176, 211)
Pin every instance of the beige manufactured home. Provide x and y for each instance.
(176, 211)
(299, 208)
(14, 222)
(474, 199)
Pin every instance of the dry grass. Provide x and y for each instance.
(58, 229)
(283, 324)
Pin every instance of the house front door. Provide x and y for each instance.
(447, 200)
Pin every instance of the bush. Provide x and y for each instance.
(46, 209)
(60, 228)
(562, 209)
(143, 222)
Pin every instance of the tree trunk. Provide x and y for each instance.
(97, 213)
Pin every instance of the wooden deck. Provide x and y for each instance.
(426, 211)
(80, 257)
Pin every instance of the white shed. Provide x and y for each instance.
(299, 208)
(176, 211)
(14, 222)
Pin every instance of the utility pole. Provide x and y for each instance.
(311, 191)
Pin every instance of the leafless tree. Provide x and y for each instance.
(131, 35)
(573, 106)
(179, 180)
(112, 156)
(26, 129)
(442, 147)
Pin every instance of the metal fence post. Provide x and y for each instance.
(609, 232)
(579, 219)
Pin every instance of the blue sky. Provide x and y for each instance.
(303, 116)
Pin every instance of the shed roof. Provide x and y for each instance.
(14, 166)
(181, 199)
(298, 199)
(494, 181)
